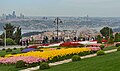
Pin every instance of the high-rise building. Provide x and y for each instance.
(21, 15)
(3, 16)
(13, 14)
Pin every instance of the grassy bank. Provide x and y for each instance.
(108, 62)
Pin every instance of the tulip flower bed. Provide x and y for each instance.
(94, 49)
(27, 59)
(71, 44)
(56, 55)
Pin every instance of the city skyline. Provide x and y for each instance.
(95, 8)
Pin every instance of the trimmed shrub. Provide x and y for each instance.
(3, 49)
(58, 48)
(21, 49)
(76, 58)
(102, 46)
(43, 66)
(118, 44)
(10, 41)
(118, 49)
(100, 52)
(13, 53)
(20, 64)
(14, 48)
(33, 64)
(8, 50)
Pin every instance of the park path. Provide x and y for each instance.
(67, 60)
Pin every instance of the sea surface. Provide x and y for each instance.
(24, 31)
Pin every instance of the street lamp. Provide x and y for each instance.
(5, 39)
(57, 21)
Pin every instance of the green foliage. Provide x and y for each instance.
(20, 64)
(31, 42)
(43, 66)
(111, 40)
(109, 48)
(33, 64)
(10, 41)
(99, 39)
(102, 46)
(58, 48)
(100, 52)
(9, 30)
(8, 50)
(17, 35)
(1, 41)
(106, 32)
(76, 58)
(117, 37)
(14, 48)
(117, 45)
(3, 49)
(118, 49)
(21, 49)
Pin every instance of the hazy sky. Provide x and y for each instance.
(61, 7)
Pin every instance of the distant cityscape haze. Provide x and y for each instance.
(95, 8)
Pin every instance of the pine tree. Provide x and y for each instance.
(17, 35)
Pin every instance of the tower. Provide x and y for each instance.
(13, 14)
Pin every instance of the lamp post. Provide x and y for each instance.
(57, 21)
(5, 39)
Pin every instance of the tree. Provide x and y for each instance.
(17, 35)
(117, 37)
(99, 39)
(9, 30)
(106, 32)
(111, 40)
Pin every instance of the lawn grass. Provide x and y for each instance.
(110, 48)
(3, 52)
(9, 68)
(108, 62)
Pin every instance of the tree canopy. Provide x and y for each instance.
(106, 32)
(12, 32)
(9, 30)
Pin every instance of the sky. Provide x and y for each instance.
(93, 8)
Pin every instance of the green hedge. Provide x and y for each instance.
(44, 65)
(100, 52)
(118, 49)
(76, 58)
